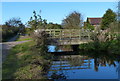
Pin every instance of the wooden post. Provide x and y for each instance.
(70, 35)
(60, 37)
(50, 33)
(54, 33)
(79, 35)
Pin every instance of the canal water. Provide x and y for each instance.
(84, 67)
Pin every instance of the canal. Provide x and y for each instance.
(84, 66)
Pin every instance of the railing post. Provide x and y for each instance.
(54, 33)
(60, 36)
(79, 35)
(50, 33)
(70, 35)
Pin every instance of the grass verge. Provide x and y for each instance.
(24, 63)
(24, 38)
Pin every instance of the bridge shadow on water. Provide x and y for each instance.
(79, 64)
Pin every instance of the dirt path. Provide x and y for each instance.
(7, 46)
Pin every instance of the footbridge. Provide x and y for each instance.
(68, 36)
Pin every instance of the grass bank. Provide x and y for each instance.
(24, 38)
(24, 62)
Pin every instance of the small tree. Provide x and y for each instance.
(42, 43)
(14, 22)
(108, 18)
(11, 28)
(72, 21)
(37, 22)
(87, 25)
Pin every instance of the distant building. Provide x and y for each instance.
(94, 21)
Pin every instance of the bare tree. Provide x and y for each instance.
(72, 21)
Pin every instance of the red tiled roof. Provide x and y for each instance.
(95, 21)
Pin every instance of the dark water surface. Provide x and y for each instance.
(86, 66)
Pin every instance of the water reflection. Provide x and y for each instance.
(51, 48)
(118, 69)
(104, 61)
(92, 66)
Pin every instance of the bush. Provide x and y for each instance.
(111, 47)
(8, 32)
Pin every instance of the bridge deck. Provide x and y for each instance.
(68, 36)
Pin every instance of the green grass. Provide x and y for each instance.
(24, 38)
(24, 63)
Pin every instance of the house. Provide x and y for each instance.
(94, 21)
